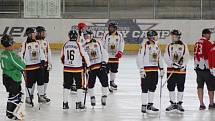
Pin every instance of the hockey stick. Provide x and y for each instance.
(161, 86)
(32, 104)
(86, 79)
(167, 79)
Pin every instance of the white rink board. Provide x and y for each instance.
(57, 29)
(123, 105)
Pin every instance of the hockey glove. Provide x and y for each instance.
(103, 66)
(42, 64)
(142, 73)
(119, 54)
(49, 67)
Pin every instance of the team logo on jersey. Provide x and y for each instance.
(93, 54)
(112, 47)
(175, 57)
(154, 57)
(34, 53)
(36, 46)
(29, 47)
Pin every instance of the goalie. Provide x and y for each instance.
(12, 65)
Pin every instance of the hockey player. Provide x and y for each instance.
(201, 51)
(71, 56)
(81, 29)
(34, 57)
(41, 34)
(98, 68)
(149, 62)
(113, 43)
(211, 60)
(176, 57)
(12, 66)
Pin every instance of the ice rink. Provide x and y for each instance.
(122, 105)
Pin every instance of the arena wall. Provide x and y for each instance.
(133, 30)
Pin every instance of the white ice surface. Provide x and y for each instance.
(123, 105)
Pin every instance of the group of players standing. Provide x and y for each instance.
(33, 63)
(85, 58)
(176, 57)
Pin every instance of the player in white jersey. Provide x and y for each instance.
(98, 68)
(41, 34)
(149, 62)
(176, 57)
(72, 55)
(32, 53)
(81, 28)
(113, 43)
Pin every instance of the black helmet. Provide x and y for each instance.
(29, 31)
(151, 33)
(88, 32)
(73, 35)
(113, 24)
(175, 32)
(40, 29)
(7, 40)
(206, 31)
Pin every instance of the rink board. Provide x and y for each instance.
(133, 30)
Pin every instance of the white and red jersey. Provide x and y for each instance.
(96, 53)
(201, 51)
(32, 54)
(46, 50)
(113, 44)
(149, 57)
(176, 53)
(72, 56)
(211, 59)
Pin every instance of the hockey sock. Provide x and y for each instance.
(144, 97)
(151, 97)
(91, 92)
(40, 89)
(112, 76)
(172, 96)
(79, 95)
(65, 95)
(179, 96)
(104, 91)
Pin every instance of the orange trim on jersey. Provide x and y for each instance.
(176, 71)
(32, 67)
(73, 69)
(95, 66)
(151, 68)
(113, 60)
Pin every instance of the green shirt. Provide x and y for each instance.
(12, 65)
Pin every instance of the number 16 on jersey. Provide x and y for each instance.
(70, 55)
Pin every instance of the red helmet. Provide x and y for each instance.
(81, 25)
